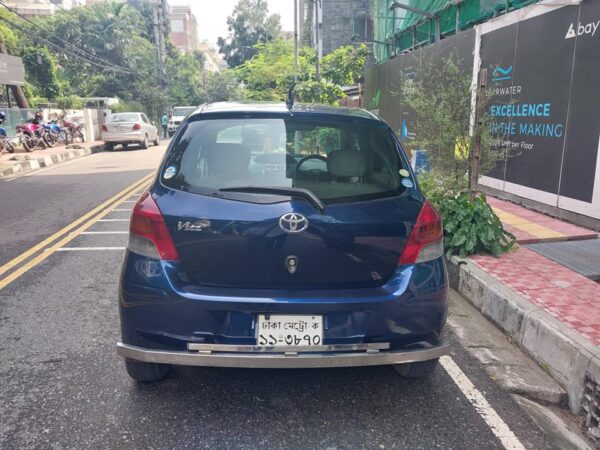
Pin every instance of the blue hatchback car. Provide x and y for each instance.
(276, 238)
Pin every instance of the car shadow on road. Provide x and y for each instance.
(312, 408)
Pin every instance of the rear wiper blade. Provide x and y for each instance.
(279, 190)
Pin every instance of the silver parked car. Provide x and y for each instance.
(129, 128)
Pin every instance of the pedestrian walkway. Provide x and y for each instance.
(532, 227)
(545, 306)
(22, 161)
(567, 295)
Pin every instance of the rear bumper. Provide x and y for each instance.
(160, 310)
(281, 360)
(137, 136)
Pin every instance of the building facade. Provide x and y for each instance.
(539, 63)
(184, 28)
(31, 8)
(345, 22)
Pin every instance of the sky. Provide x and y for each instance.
(212, 15)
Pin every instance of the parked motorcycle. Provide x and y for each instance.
(32, 135)
(5, 141)
(75, 131)
(56, 133)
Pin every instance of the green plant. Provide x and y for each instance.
(470, 226)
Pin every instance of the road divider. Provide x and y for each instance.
(57, 240)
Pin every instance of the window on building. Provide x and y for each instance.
(177, 26)
(359, 29)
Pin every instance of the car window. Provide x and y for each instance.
(336, 161)
(183, 111)
(123, 117)
(144, 118)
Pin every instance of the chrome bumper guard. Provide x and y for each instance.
(248, 356)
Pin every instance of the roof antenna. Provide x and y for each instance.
(289, 101)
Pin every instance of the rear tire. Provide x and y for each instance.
(144, 143)
(109, 147)
(156, 141)
(146, 372)
(419, 369)
(171, 133)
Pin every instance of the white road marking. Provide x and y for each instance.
(122, 209)
(481, 405)
(105, 232)
(128, 201)
(113, 220)
(85, 249)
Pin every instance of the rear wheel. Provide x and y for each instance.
(109, 147)
(417, 369)
(144, 143)
(27, 144)
(171, 133)
(143, 371)
(157, 140)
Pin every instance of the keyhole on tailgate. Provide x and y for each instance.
(291, 264)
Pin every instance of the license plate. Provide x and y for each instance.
(275, 330)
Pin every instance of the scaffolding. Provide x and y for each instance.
(399, 30)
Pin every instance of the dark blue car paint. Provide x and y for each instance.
(163, 307)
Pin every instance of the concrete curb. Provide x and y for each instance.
(32, 163)
(567, 356)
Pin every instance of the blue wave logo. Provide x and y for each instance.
(500, 74)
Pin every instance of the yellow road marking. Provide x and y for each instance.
(528, 226)
(23, 256)
(122, 195)
(68, 238)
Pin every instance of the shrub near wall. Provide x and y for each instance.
(470, 226)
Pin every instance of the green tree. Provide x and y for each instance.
(223, 86)
(40, 66)
(444, 115)
(270, 73)
(250, 24)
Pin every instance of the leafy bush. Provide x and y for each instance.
(470, 226)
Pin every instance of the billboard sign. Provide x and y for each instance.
(12, 71)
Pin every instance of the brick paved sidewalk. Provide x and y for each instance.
(565, 294)
(531, 227)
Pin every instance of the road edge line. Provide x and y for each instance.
(68, 238)
(40, 245)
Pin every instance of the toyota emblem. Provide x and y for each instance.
(293, 223)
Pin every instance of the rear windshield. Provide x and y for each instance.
(336, 161)
(183, 111)
(123, 117)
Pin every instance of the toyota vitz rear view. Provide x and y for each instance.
(276, 238)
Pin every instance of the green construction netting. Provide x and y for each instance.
(398, 30)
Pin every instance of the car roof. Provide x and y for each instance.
(275, 108)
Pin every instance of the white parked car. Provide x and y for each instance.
(129, 128)
(177, 115)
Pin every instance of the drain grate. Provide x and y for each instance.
(591, 406)
(581, 256)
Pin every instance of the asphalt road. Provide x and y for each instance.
(63, 386)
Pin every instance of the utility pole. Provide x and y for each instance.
(295, 41)
(158, 13)
(318, 40)
(476, 151)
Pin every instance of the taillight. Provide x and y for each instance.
(104, 128)
(426, 239)
(137, 126)
(148, 234)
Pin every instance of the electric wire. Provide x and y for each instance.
(83, 53)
